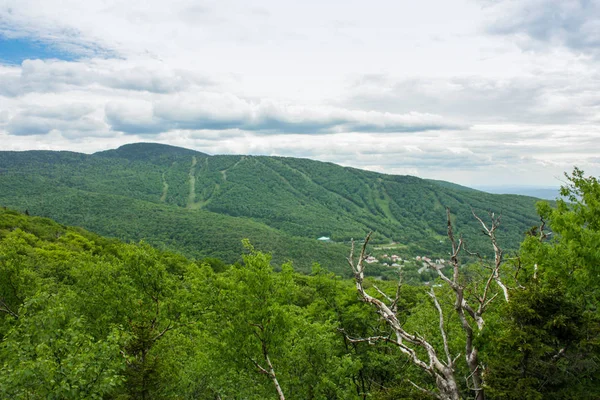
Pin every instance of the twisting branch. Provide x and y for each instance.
(385, 296)
(469, 310)
(491, 233)
(370, 339)
(258, 366)
(442, 329)
(394, 305)
(442, 372)
(467, 313)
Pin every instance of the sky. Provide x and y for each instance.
(477, 92)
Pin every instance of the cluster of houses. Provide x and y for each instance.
(395, 260)
(426, 260)
(392, 261)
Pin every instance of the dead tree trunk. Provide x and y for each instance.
(443, 371)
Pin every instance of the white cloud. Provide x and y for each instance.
(61, 76)
(574, 24)
(226, 111)
(466, 91)
(539, 98)
(132, 117)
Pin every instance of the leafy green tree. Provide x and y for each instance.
(48, 354)
(543, 346)
(270, 332)
(547, 341)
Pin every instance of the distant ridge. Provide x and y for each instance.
(148, 151)
(452, 185)
(546, 193)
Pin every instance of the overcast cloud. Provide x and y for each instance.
(478, 92)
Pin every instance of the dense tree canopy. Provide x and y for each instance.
(84, 317)
(203, 206)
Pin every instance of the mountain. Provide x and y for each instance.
(203, 205)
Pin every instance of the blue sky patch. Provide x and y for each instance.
(16, 50)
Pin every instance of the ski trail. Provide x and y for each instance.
(192, 179)
(224, 171)
(163, 198)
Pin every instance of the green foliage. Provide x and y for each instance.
(83, 316)
(203, 206)
(49, 354)
(97, 318)
(55, 345)
(543, 347)
(546, 342)
(261, 313)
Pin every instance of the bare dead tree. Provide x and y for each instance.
(470, 308)
(442, 371)
(473, 313)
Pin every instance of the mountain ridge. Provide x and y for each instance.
(301, 199)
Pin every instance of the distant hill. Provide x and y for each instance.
(547, 193)
(203, 205)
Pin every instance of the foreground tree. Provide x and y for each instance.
(272, 338)
(49, 354)
(470, 304)
(554, 322)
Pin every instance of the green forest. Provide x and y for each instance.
(203, 206)
(513, 314)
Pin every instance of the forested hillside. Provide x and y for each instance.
(86, 317)
(202, 205)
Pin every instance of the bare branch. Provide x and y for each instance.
(370, 339)
(351, 258)
(441, 275)
(491, 233)
(468, 314)
(385, 296)
(274, 378)
(271, 371)
(394, 305)
(441, 372)
(442, 329)
(428, 392)
(559, 354)
(168, 328)
(488, 302)
(259, 367)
